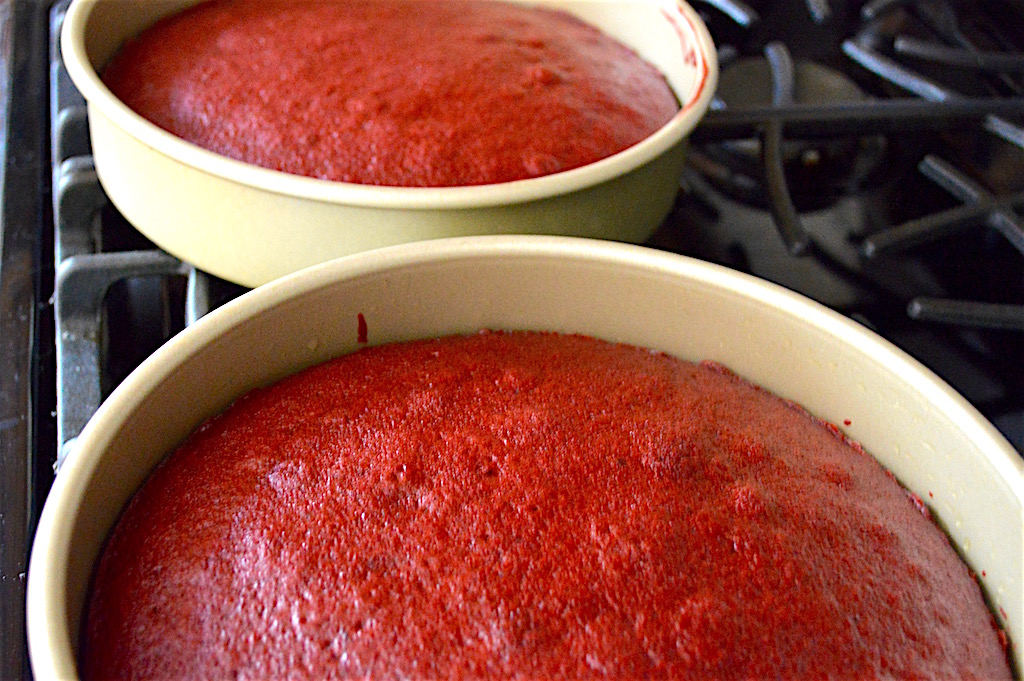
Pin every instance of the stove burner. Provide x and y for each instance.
(817, 170)
(922, 109)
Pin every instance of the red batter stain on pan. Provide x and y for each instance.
(361, 332)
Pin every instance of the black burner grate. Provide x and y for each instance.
(922, 239)
(117, 297)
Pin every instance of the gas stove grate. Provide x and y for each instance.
(937, 107)
(97, 256)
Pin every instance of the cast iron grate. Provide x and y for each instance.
(934, 106)
(117, 297)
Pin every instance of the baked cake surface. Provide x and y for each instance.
(392, 92)
(529, 505)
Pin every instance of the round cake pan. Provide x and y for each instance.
(932, 439)
(249, 224)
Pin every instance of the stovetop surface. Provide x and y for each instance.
(25, 285)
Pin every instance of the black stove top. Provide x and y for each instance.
(868, 155)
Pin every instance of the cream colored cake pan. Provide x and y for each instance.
(250, 225)
(934, 441)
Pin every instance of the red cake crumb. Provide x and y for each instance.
(528, 505)
(396, 92)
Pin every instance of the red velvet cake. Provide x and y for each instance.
(528, 505)
(392, 92)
